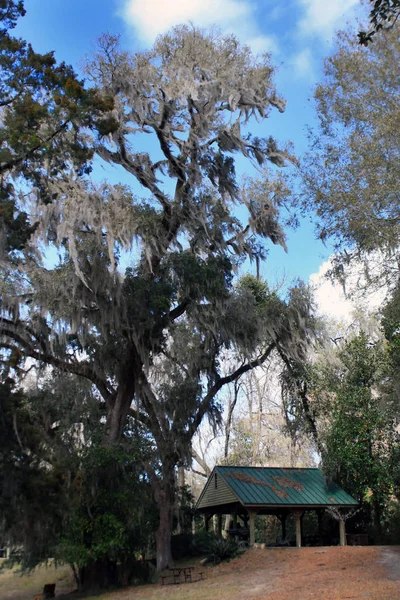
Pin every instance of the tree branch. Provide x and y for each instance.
(16, 161)
(179, 310)
(28, 348)
(199, 473)
(302, 391)
(202, 410)
(122, 158)
(200, 461)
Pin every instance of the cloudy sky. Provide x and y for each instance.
(297, 33)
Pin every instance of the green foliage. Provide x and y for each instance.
(44, 105)
(219, 549)
(391, 330)
(383, 15)
(216, 549)
(110, 512)
(351, 174)
(202, 541)
(361, 442)
(391, 522)
(182, 545)
(63, 494)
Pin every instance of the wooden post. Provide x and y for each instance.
(252, 515)
(207, 522)
(228, 521)
(342, 533)
(215, 524)
(320, 514)
(298, 514)
(219, 525)
(283, 523)
(282, 518)
(302, 526)
(298, 531)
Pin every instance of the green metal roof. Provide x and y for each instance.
(267, 486)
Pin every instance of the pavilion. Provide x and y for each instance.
(249, 491)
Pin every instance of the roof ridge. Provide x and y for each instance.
(280, 468)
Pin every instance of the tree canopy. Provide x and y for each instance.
(351, 175)
(383, 15)
(142, 301)
(44, 107)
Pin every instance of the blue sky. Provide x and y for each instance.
(298, 33)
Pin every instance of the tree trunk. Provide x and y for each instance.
(116, 419)
(163, 536)
(165, 496)
(181, 488)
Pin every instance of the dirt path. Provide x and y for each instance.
(390, 558)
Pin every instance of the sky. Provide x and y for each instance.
(299, 34)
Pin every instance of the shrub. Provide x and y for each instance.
(220, 549)
(201, 542)
(182, 545)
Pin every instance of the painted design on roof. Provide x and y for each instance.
(287, 482)
(249, 479)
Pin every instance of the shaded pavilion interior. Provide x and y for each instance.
(245, 492)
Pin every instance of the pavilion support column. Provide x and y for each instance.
(302, 526)
(207, 519)
(320, 514)
(282, 518)
(215, 524)
(298, 514)
(219, 525)
(342, 533)
(228, 521)
(252, 516)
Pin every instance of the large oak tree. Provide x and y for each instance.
(141, 301)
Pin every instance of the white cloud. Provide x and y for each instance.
(150, 18)
(332, 301)
(262, 43)
(322, 17)
(302, 64)
(330, 297)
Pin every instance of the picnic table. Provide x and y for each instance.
(176, 573)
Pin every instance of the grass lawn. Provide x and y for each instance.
(15, 587)
(333, 573)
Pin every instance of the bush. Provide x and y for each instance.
(201, 542)
(204, 543)
(391, 524)
(182, 545)
(220, 549)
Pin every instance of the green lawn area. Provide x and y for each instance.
(13, 586)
